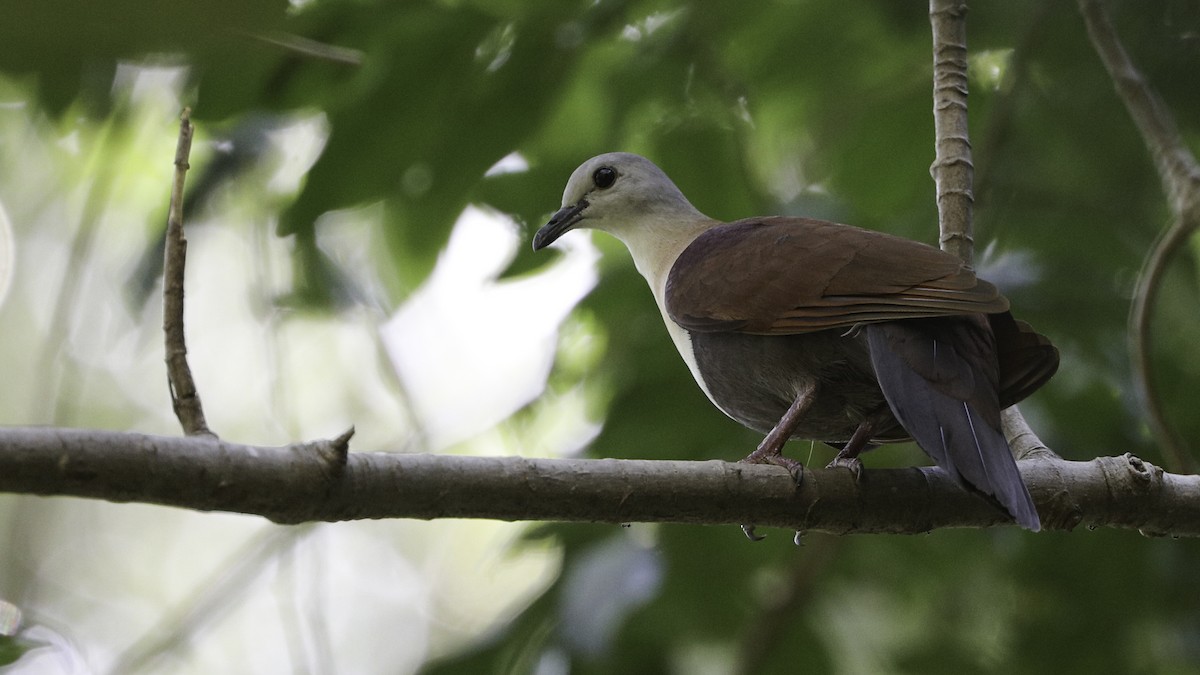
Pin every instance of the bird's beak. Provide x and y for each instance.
(563, 221)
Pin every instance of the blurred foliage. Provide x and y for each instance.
(820, 108)
(12, 649)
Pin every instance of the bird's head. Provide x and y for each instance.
(620, 193)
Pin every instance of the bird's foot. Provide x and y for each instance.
(752, 535)
(847, 457)
(769, 455)
(854, 464)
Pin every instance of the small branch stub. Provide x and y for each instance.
(184, 397)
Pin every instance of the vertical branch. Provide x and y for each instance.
(952, 169)
(184, 397)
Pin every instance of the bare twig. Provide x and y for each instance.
(1175, 450)
(952, 170)
(1024, 443)
(294, 484)
(184, 397)
(1180, 176)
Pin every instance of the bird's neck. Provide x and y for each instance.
(656, 245)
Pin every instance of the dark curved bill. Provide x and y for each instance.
(562, 222)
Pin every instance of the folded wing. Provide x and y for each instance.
(786, 275)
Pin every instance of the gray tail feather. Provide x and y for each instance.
(950, 408)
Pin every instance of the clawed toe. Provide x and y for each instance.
(854, 464)
(794, 467)
(749, 531)
(770, 455)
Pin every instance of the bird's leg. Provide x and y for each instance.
(847, 457)
(770, 451)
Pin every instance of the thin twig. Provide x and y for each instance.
(184, 397)
(1175, 450)
(1180, 175)
(952, 169)
(1024, 443)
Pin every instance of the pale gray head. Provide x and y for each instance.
(616, 192)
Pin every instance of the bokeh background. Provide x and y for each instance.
(366, 179)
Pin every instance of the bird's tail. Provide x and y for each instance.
(1026, 358)
(940, 379)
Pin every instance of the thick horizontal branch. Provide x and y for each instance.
(309, 482)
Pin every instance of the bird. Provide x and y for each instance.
(804, 328)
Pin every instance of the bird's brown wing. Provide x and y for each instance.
(783, 275)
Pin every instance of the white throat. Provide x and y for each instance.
(655, 246)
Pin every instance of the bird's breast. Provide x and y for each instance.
(755, 378)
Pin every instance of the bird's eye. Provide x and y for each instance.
(604, 177)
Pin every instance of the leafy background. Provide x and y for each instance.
(340, 142)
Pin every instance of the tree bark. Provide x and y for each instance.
(310, 482)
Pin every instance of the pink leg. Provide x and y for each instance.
(847, 457)
(770, 451)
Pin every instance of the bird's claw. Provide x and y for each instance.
(748, 530)
(794, 467)
(854, 464)
(771, 455)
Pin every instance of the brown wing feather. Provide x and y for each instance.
(786, 275)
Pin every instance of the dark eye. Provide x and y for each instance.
(604, 177)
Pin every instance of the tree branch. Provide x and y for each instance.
(1180, 176)
(184, 397)
(952, 169)
(294, 484)
(1145, 297)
